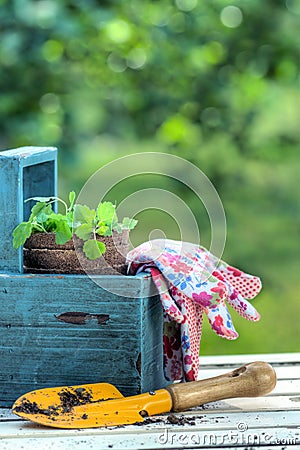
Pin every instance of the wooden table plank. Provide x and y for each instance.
(269, 422)
(282, 372)
(279, 403)
(233, 360)
(218, 420)
(286, 387)
(218, 429)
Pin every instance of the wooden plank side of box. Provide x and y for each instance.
(24, 173)
(66, 329)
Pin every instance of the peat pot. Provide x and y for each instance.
(43, 255)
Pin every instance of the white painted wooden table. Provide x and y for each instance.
(271, 422)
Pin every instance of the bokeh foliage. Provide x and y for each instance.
(215, 82)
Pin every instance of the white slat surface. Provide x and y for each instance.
(272, 358)
(283, 372)
(271, 422)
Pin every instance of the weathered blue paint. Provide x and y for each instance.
(65, 329)
(24, 172)
(39, 349)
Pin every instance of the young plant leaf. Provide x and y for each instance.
(53, 223)
(70, 219)
(50, 225)
(84, 231)
(63, 233)
(93, 249)
(44, 214)
(102, 230)
(102, 247)
(78, 219)
(36, 209)
(106, 212)
(41, 199)
(21, 233)
(128, 224)
(83, 214)
(72, 197)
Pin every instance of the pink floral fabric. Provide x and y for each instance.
(192, 282)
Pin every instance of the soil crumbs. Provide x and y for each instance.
(68, 399)
(171, 419)
(28, 407)
(181, 420)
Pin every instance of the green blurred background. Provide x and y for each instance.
(215, 82)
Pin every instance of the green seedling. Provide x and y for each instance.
(84, 222)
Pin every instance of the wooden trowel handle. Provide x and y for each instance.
(251, 380)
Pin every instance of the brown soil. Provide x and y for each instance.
(29, 407)
(43, 255)
(69, 399)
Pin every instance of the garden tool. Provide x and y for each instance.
(101, 404)
(192, 281)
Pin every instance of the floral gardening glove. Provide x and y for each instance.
(191, 281)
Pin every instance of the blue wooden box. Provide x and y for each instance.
(66, 329)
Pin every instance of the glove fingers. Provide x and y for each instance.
(247, 285)
(242, 306)
(167, 301)
(236, 300)
(212, 301)
(220, 321)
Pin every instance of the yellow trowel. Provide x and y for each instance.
(101, 404)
